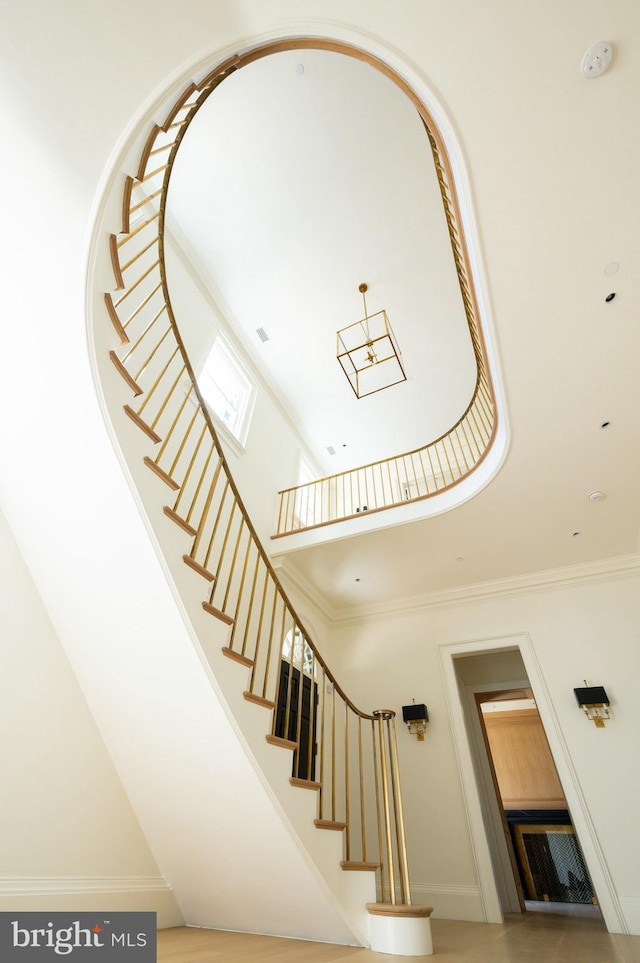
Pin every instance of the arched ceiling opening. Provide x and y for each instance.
(305, 173)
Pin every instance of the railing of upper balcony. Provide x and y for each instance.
(347, 755)
(393, 481)
(439, 464)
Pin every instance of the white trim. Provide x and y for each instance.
(490, 900)
(451, 889)
(631, 908)
(227, 437)
(622, 566)
(223, 359)
(601, 570)
(505, 881)
(77, 885)
(307, 593)
(450, 901)
(401, 936)
(594, 856)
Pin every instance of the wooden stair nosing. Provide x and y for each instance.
(304, 783)
(167, 479)
(329, 824)
(355, 866)
(185, 526)
(218, 613)
(406, 910)
(281, 743)
(122, 371)
(146, 153)
(148, 430)
(259, 700)
(197, 567)
(115, 320)
(237, 657)
(126, 204)
(177, 107)
(115, 261)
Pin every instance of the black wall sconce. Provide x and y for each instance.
(594, 701)
(416, 718)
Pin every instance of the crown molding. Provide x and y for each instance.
(621, 566)
(304, 588)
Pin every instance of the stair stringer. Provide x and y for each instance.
(318, 853)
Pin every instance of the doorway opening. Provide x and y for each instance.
(509, 665)
(549, 869)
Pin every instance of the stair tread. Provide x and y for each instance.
(282, 743)
(197, 567)
(219, 614)
(167, 479)
(115, 320)
(329, 824)
(304, 783)
(120, 368)
(236, 656)
(259, 700)
(185, 526)
(356, 865)
(148, 430)
(399, 909)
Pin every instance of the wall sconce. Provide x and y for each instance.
(595, 702)
(416, 718)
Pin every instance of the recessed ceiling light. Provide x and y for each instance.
(575, 534)
(596, 496)
(612, 269)
(357, 580)
(605, 424)
(460, 558)
(611, 297)
(299, 69)
(597, 59)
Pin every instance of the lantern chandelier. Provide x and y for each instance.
(368, 352)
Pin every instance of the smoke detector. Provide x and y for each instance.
(597, 59)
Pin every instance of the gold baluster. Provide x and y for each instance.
(346, 782)
(381, 715)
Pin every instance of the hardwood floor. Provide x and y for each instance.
(531, 938)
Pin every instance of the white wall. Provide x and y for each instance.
(269, 459)
(68, 835)
(587, 631)
(71, 86)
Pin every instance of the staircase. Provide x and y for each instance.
(292, 821)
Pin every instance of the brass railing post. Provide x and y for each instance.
(390, 810)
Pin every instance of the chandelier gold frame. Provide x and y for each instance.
(369, 354)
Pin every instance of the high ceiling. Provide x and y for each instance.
(314, 174)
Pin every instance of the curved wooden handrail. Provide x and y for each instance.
(338, 497)
(355, 754)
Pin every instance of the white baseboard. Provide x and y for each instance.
(90, 894)
(74, 885)
(450, 901)
(630, 906)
